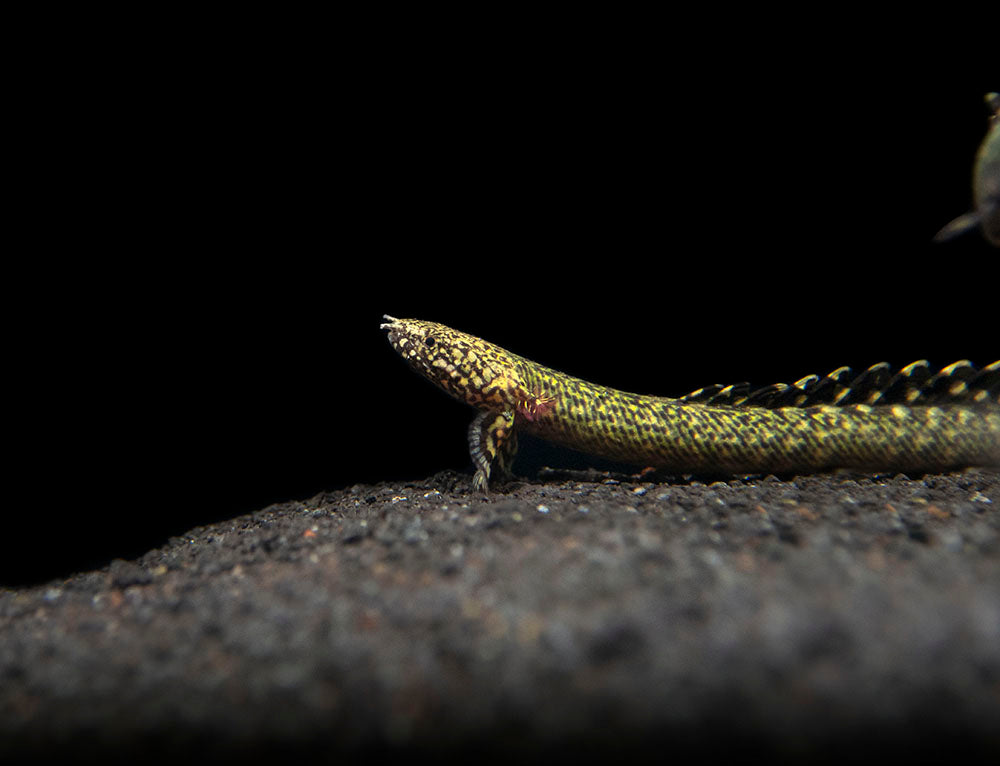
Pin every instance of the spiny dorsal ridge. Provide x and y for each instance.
(914, 384)
(718, 393)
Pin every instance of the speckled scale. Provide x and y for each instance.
(914, 420)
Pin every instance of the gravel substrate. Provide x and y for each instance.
(830, 617)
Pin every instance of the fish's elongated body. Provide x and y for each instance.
(717, 430)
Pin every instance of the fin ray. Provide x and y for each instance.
(915, 384)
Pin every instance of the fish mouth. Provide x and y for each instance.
(405, 342)
(394, 327)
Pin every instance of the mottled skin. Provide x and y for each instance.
(513, 394)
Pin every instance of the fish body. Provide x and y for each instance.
(913, 420)
(985, 185)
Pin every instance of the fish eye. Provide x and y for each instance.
(429, 342)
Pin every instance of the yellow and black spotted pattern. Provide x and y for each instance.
(914, 420)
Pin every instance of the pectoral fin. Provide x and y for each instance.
(959, 226)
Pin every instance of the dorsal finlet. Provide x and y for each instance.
(914, 384)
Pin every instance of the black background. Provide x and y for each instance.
(217, 230)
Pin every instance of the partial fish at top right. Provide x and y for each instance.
(985, 185)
